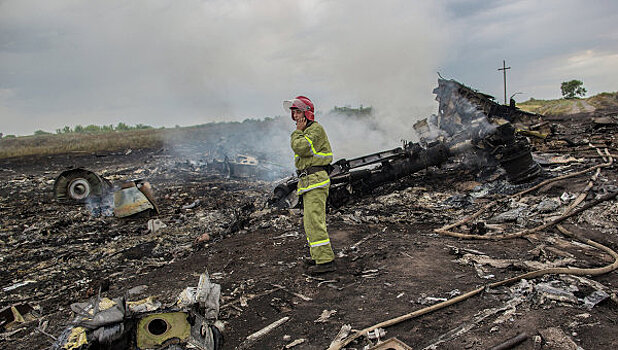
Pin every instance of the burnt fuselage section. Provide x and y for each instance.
(467, 122)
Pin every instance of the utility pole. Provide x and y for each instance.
(503, 69)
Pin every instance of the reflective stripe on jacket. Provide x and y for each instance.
(311, 148)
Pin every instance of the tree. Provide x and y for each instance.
(122, 127)
(572, 88)
(92, 129)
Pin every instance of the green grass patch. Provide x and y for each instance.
(45, 144)
(82, 142)
(604, 100)
(565, 106)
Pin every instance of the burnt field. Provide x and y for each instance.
(393, 259)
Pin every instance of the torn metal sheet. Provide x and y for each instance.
(377, 333)
(133, 198)
(547, 291)
(428, 300)
(391, 344)
(245, 166)
(145, 305)
(156, 329)
(14, 315)
(595, 298)
(155, 225)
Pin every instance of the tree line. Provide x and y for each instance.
(95, 129)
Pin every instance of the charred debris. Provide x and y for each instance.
(405, 223)
(468, 123)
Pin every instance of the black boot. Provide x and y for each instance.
(319, 269)
(307, 261)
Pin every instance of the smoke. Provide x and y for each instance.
(352, 136)
(460, 123)
(102, 205)
(190, 62)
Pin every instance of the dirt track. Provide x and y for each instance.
(68, 254)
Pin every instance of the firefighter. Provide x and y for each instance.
(312, 157)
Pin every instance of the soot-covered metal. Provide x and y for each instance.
(467, 122)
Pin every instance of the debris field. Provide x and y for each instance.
(410, 245)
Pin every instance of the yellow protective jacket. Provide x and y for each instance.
(311, 148)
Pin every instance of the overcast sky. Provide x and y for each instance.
(186, 62)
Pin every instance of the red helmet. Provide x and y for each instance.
(300, 102)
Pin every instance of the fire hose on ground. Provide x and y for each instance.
(336, 345)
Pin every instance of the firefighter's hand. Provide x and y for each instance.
(301, 123)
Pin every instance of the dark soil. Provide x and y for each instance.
(68, 254)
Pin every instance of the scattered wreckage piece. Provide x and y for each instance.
(555, 338)
(79, 184)
(118, 324)
(463, 126)
(496, 131)
(156, 329)
(473, 259)
(341, 343)
(391, 343)
(254, 337)
(128, 199)
(134, 198)
(295, 342)
(15, 315)
(593, 299)
(447, 229)
(245, 166)
(450, 94)
(511, 343)
(478, 318)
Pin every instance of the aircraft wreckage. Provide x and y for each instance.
(127, 199)
(468, 122)
(135, 197)
(104, 323)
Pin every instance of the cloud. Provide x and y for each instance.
(590, 66)
(534, 38)
(168, 62)
(185, 62)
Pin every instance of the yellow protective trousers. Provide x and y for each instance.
(314, 221)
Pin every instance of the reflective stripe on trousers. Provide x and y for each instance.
(319, 243)
(301, 190)
(314, 221)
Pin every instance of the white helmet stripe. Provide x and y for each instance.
(288, 104)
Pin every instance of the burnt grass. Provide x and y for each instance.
(67, 254)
